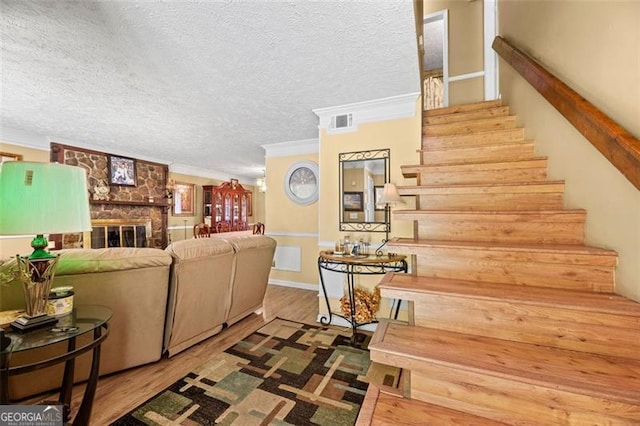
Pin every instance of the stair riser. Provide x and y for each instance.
(532, 269)
(466, 116)
(482, 138)
(519, 151)
(492, 201)
(584, 331)
(507, 172)
(517, 231)
(463, 108)
(513, 402)
(482, 176)
(470, 126)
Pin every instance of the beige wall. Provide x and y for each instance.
(594, 47)
(179, 224)
(465, 47)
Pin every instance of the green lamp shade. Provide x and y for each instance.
(43, 198)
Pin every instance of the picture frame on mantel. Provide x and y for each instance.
(184, 199)
(122, 171)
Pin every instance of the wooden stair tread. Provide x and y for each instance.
(381, 409)
(531, 162)
(462, 108)
(597, 376)
(608, 303)
(507, 247)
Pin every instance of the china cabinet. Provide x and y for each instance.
(226, 207)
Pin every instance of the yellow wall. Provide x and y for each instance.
(9, 245)
(290, 224)
(465, 47)
(594, 48)
(402, 137)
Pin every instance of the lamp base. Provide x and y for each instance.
(26, 323)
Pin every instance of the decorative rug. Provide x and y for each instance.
(286, 373)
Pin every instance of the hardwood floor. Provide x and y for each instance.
(120, 392)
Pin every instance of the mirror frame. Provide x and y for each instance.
(346, 157)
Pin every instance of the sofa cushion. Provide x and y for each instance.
(199, 289)
(252, 265)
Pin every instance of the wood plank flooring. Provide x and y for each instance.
(120, 392)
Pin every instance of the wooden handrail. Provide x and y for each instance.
(619, 146)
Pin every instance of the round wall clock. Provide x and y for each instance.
(301, 182)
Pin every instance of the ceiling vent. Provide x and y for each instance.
(343, 121)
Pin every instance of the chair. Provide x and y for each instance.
(223, 227)
(201, 230)
(258, 228)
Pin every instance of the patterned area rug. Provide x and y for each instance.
(286, 373)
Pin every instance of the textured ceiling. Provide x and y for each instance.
(197, 83)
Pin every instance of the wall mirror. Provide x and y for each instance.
(362, 178)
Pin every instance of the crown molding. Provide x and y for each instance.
(206, 173)
(288, 149)
(391, 108)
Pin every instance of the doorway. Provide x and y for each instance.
(436, 60)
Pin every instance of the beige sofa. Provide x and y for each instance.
(133, 282)
(162, 300)
(215, 282)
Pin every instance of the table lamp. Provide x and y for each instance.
(390, 197)
(39, 198)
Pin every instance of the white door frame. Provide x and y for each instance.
(490, 18)
(443, 16)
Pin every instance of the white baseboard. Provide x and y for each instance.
(294, 284)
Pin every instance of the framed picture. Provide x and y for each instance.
(6, 156)
(184, 199)
(122, 171)
(377, 194)
(234, 183)
(352, 201)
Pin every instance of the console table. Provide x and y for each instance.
(352, 266)
(83, 319)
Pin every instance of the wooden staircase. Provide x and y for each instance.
(512, 318)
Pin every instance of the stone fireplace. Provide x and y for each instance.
(131, 207)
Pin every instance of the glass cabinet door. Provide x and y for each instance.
(244, 208)
(218, 204)
(227, 207)
(236, 209)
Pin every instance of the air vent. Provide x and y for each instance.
(343, 121)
